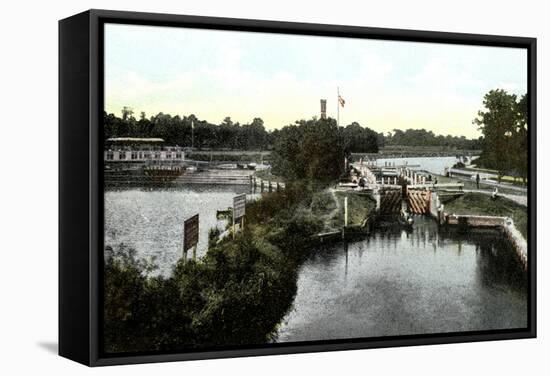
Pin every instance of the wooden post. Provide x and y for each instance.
(242, 224)
(346, 211)
(269, 182)
(183, 247)
(194, 253)
(233, 226)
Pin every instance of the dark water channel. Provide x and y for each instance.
(398, 283)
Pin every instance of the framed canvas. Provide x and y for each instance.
(234, 187)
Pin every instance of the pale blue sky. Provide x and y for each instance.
(280, 78)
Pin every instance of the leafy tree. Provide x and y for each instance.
(360, 140)
(127, 113)
(520, 138)
(504, 128)
(310, 149)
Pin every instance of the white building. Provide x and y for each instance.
(130, 149)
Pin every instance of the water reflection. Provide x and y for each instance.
(397, 282)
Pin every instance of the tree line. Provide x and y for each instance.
(176, 130)
(422, 137)
(189, 131)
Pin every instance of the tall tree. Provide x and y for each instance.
(310, 149)
(359, 139)
(504, 127)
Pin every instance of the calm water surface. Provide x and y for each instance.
(393, 283)
(435, 165)
(151, 221)
(398, 283)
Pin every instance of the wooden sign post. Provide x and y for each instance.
(190, 236)
(346, 211)
(239, 209)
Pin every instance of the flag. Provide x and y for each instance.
(192, 125)
(341, 100)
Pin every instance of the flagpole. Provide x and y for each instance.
(338, 106)
(192, 134)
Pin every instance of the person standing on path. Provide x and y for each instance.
(477, 180)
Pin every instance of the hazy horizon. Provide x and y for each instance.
(281, 78)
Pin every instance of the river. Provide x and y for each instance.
(151, 220)
(399, 283)
(435, 165)
(392, 283)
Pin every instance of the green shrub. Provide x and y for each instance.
(237, 294)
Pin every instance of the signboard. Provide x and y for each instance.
(191, 232)
(239, 206)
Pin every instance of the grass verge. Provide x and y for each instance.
(481, 204)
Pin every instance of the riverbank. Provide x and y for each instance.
(239, 291)
(481, 204)
(404, 151)
(235, 295)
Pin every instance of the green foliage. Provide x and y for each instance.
(313, 150)
(359, 139)
(213, 235)
(360, 206)
(482, 204)
(322, 202)
(504, 126)
(422, 137)
(235, 295)
(176, 130)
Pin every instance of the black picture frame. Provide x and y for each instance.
(81, 187)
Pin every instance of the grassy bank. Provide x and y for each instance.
(329, 206)
(359, 207)
(481, 204)
(470, 184)
(235, 295)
